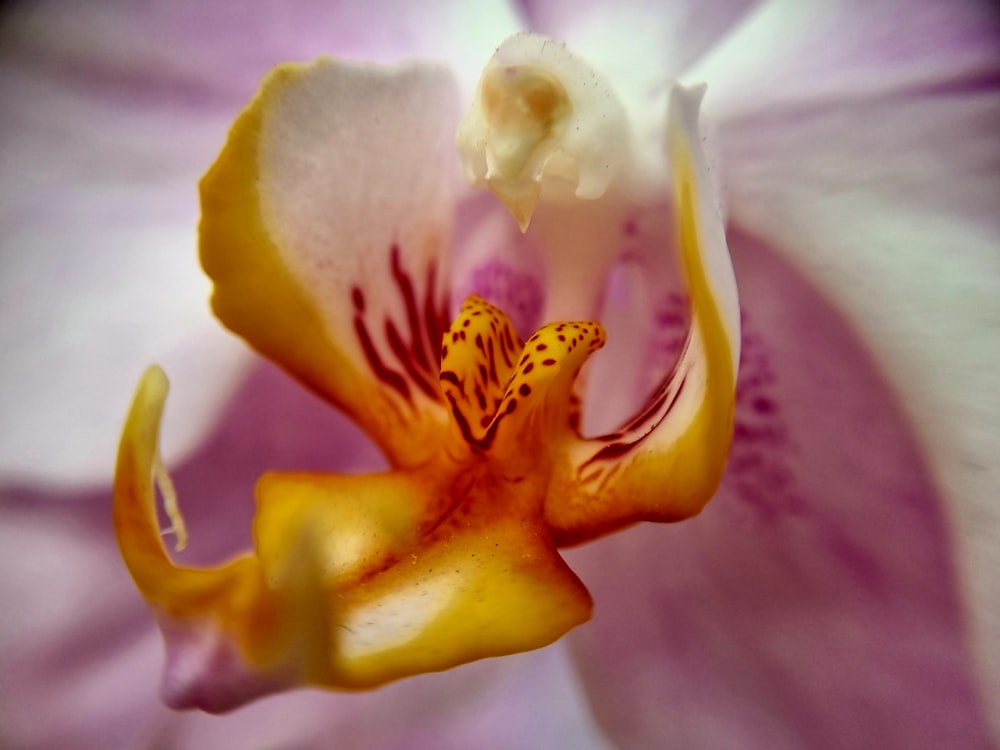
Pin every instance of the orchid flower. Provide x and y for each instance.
(325, 228)
(836, 592)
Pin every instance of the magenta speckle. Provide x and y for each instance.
(517, 293)
(757, 464)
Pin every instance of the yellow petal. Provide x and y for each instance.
(666, 462)
(424, 570)
(231, 635)
(324, 225)
(355, 580)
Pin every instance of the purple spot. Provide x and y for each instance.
(669, 333)
(518, 294)
(760, 438)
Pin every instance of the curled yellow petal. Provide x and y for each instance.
(477, 358)
(231, 634)
(354, 581)
(666, 462)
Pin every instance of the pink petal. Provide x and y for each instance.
(76, 640)
(815, 603)
(888, 204)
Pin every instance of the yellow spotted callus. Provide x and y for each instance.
(509, 402)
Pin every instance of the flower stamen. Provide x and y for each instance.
(486, 382)
(168, 495)
(542, 119)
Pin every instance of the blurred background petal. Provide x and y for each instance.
(815, 602)
(114, 111)
(786, 51)
(840, 591)
(874, 167)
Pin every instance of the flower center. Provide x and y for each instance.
(505, 403)
(524, 106)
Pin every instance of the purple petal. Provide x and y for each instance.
(528, 700)
(815, 603)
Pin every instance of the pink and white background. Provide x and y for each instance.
(843, 588)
